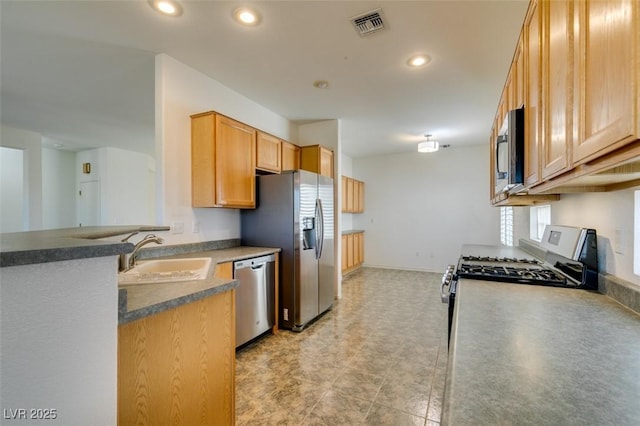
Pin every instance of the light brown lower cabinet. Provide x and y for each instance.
(352, 251)
(178, 366)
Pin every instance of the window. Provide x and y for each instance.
(539, 217)
(506, 226)
(636, 234)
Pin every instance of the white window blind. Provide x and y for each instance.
(506, 226)
(539, 218)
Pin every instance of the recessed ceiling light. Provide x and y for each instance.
(321, 84)
(246, 16)
(417, 61)
(167, 7)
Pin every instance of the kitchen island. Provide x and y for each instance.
(60, 317)
(536, 355)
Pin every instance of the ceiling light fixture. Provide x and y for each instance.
(417, 61)
(246, 16)
(321, 84)
(167, 7)
(428, 145)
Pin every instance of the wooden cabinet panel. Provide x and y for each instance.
(360, 199)
(558, 76)
(290, 156)
(532, 111)
(352, 251)
(224, 270)
(326, 162)
(345, 258)
(352, 195)
(178, 366)
(268, 153)
(317, 159)
(203, 171)
(356, 248)
(235, 163)
(345, 197)
(223, 160)
(609, 76)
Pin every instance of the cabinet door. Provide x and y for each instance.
(609, 76)
(356, 249)
(356, 196)
(350, 257)
(268, 153)
(361, 248)
(290, 156)
(345, 259)
(235, 163)
(178, 366)
(532, 111)
(326, 162)
(558, 70)
(360, 197)
(350, 192)
(345, 198)
(203, 177)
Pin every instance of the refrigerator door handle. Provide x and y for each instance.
(320, 228)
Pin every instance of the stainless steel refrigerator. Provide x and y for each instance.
(295, 213)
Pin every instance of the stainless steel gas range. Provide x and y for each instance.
(570, 261)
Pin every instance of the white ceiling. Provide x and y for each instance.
(82, 72)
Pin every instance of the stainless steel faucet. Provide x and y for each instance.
(130, 262)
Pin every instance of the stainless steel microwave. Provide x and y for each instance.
(509, 153)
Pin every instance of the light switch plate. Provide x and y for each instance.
(177, 227)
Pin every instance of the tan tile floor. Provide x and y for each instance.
(377, 358)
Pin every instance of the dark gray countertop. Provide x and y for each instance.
(140, 300)
(26, 248)
(535, 355)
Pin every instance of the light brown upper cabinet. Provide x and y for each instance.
(608, 73)
(268, 153)
(581, 96)
(532, 113)
(352, 195)
(558, 86)
(290, 156)
(223, 162)
(317, 159)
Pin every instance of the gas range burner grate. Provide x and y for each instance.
(499, 260)
(519, 274)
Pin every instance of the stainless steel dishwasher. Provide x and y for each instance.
(255, 297)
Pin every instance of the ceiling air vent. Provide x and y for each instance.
(369, 22)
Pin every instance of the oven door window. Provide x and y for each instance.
(502, 157)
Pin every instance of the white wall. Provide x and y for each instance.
(611, 214)
(58, 189)
(31, 144)
(181, 92)
(58, 331)
(421, 208)
(12, 190)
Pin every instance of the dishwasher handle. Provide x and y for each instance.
(254, 262)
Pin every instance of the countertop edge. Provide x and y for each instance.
(127, 317)
(44, 246)
(214, 285)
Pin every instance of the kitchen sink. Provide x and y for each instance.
(166, 270)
